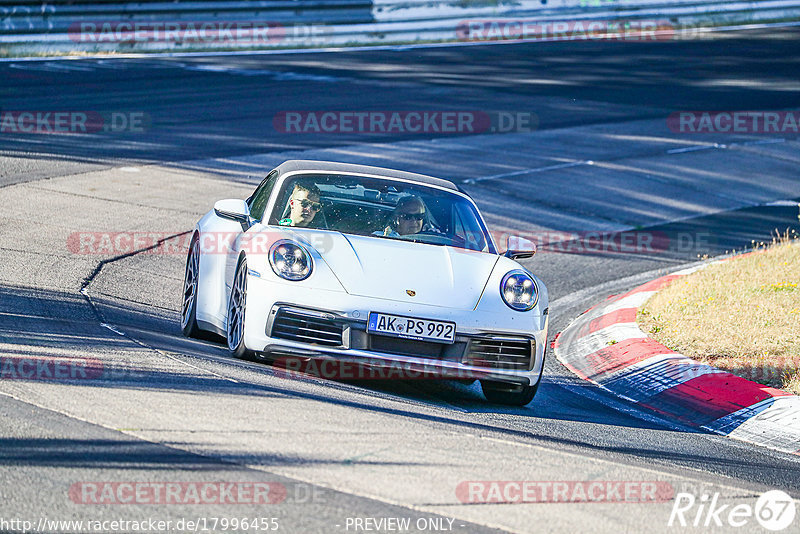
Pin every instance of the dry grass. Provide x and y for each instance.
(741, 315)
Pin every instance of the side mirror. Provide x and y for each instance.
(519, 248)
(233, 209)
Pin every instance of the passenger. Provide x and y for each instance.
(409, 217)
(304, 204)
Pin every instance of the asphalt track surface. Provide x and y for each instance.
(214, 116)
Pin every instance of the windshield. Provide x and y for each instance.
(382, 208)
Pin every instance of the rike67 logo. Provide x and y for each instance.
(774, 510)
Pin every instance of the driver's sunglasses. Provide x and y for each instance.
(316, 206)
(412, 216)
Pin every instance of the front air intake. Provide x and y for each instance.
(307, 328)
(501, 352)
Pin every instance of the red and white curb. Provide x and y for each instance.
(605, 346)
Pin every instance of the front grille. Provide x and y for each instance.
(406, 347)
(500, 352)
(305, 328)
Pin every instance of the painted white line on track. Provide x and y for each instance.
(48, 67)
(528, 171)
(763, 142)
(558, 166)
(783, 204)
(694, 148)
(725, 146)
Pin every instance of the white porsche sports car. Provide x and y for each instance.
(377, 267)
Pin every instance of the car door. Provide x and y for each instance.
(220, 239)
(256, 203)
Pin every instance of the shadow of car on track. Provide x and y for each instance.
(159, 328)
(151, 356)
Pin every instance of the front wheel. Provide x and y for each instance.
(236, 313)
(190, 285)
(508, 394)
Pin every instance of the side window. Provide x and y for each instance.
(258, 202)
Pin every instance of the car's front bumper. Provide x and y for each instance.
(487, 346)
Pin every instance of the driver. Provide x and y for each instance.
(409, 217)
(304, 205)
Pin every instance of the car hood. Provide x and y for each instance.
(396, 270)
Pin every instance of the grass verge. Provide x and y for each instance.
(742, 315)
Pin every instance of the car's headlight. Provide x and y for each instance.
(290, 261)
(519, 291)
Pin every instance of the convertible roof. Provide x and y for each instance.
(330, 166)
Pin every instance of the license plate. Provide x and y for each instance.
(411, 328)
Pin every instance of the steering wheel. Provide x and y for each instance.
(430, 237)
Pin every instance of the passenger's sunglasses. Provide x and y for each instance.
(412, 216)
(316, 206)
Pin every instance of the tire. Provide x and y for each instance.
(190, 284)
(508, 394)
(236, 312)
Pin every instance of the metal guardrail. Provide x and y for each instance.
(55, 26)
(53, 18)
